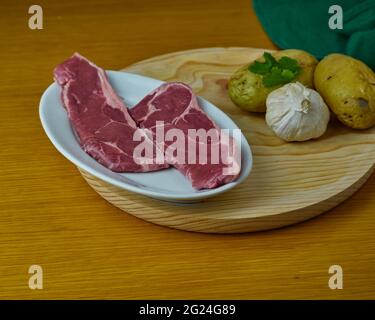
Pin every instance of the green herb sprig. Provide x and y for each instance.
(276, 72)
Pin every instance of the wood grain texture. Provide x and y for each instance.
(88, 248)
(289, 182)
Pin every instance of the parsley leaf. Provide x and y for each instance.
(276, 76)
(269, 58)
(289, 64)
(260, 68)
(263, 67)
(276, 72)
(287, 75)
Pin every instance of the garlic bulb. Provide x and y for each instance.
(296, 113)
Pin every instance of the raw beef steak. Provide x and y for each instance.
(176, 107)
(99, 117)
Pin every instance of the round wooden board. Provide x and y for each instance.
(290, 182)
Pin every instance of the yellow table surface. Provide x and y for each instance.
(90, 249)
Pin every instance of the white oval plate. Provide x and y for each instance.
(168, 184)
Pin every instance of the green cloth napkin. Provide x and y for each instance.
(302, 24)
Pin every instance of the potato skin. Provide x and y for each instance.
(246, 89)
(348, 87)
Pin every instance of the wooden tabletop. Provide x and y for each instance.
(90, 249)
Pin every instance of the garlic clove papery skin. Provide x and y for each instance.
(296, 113)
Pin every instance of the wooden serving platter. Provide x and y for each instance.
(290, 182)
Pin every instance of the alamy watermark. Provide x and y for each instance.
(336, 280)
(189, 146)
(336, 21)
(36, 18)
(36, 278)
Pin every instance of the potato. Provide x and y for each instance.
(247, 91)
(348, 87)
